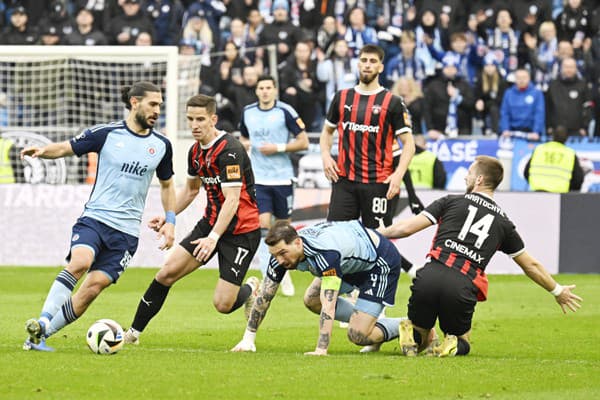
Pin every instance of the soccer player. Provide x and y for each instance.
(472, 227)
(229, 227)
(265, 128)
(369, 119)
(342, 256)
(105, 237)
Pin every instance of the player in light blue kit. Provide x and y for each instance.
(342, 256)
(265, 129)
(105, 237)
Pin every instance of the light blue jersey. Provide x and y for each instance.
(126, 163)
(270, 126)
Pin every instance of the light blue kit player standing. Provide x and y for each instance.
(105, 237)
(342, 256)
(265, 129)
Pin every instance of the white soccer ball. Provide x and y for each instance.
(105, 336)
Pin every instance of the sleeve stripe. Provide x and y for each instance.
(231, 184)
(429, 216)
(330, 124)
(516, 254)
(404, 130)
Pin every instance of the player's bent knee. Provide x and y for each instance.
(223, 307)
(313, 304)
(358, 337)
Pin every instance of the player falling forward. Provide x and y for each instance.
(342, 256)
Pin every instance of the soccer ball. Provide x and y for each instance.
(105, 336)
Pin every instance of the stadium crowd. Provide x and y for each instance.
(457, 59)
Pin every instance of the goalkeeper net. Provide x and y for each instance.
(51, 93)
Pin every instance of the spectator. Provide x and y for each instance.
(483, 12)
(239, 9)
(58, 18)
(410, 91)
(198, 32)
(449, 102)
(522, 113)
(426, 170)
(85, 33)
(281, 31)
(574, 23)
(569, 101)
(452, 13)
(124, 29)
(19, 31)
(49, 36)
(327, 34)
(8, 161)
(239, 35)
(212, 11)
(102, 10)
(408, 62)
(300, 87)
(543, 55)
(427, 26)
(489, 91)
(337, 72)
(356, 32)
(167, 17)
(530, 13)
(242, 95)
(230, 67)
(144, 39)
(504, 41)
(554, 167)
(467, 60)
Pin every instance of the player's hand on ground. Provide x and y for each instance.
(167, 234)
(204, 248)
(394, 181)
(317, 352)
(568, 300)
(244, 345)
(156, 223)
(330, 168)
(32, 152)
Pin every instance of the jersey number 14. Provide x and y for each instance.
(479, 228)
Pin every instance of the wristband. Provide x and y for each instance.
(558, 289)
(170, 217)
(281, 147)
(214, 236)
(249, 336)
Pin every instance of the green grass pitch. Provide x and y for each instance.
(523, 347)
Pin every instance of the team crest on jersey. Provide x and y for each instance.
(300, 123)
(233, 172)
(151, 151)
(376, 109)
(80, 136)
(407, 120)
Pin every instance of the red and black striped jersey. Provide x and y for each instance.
(224, 162)
(368, 125)
(472, 227)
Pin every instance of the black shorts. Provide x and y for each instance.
(235, 251)
(443, 293)
(367, 201)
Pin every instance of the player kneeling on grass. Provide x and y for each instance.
(342, 256)
(472, 227)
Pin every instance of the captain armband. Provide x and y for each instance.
(331, 283)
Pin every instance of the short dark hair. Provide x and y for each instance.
(491, 169)
(202, 100)
(266, 78)
(372, 49)
(138, 89)
(559, 134)
(281, 230)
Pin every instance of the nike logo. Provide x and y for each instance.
(232, 155)
(146, 302)
(347, 107)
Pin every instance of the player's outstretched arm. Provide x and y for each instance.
(266, 293)
(50, 151)
(405, 227)
(540, 275)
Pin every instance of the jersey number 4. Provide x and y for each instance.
(479, 228)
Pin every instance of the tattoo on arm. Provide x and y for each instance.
(262, 303)
(323, 341)
(324, 317)
(328, 293)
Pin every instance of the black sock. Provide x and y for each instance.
(462, 347)
(243, 294)
(150, 305)
(405, 264)
(417, 336)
